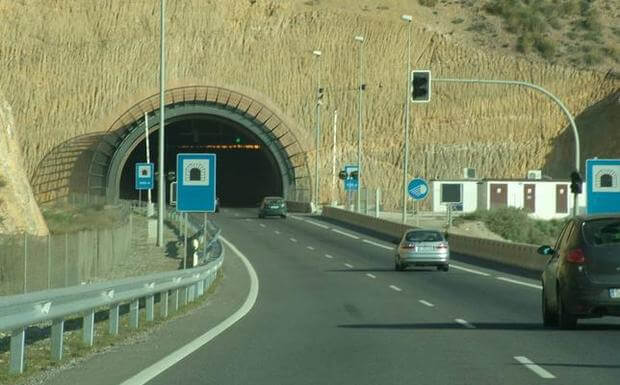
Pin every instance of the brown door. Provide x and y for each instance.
(561, 198)
(529, 198)
(499, 195)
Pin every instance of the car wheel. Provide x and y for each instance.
(261, 216)
(549, 318)
(283, 216)
(565, 319)
(444, 268)
(398, 266)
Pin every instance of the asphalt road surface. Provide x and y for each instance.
(331, 310)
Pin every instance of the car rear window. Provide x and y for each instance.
(424, 236)
(602, 232)
(274, 201)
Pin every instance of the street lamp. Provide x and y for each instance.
(361, 87)
(319, 95)
(408, 19)
(160, 166)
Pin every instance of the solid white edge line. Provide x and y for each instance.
(316, 224)
(377, 244)
(370, 275)
(262, 225)
(345, 234)
(395, 288)
(328, 256)
(160, 366)
(277, 232)
(533, 367)
(520, 283)
(296, 217)
(349, 266)
(470, 270)
(464, 323)
(423, 302)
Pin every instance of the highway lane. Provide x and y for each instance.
(331, 310)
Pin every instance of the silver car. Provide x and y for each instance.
(422, 248)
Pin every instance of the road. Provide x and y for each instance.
(331, 310)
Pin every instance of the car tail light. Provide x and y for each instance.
(442, 246)
(407, 245)
(576, 256)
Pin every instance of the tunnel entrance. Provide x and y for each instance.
(257, 153)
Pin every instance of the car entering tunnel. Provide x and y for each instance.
(246, 169)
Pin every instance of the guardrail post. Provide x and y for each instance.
(175, 299)
(58, 329)
(201, 287)
(191, 293)
(134, 313)
(18, 338)
(150, 304)
(163, 303)
(88, 327)
(113, 319)
(183, 295)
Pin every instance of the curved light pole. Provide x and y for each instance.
(317, 54)
(160, 166)
(408, 19)
(360, 39)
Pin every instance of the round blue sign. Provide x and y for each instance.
(418, 188)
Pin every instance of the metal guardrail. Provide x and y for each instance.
(178, 287)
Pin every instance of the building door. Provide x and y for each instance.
(529, 198)
(561, 198)
(499, 195)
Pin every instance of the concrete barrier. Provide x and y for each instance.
(298, 207)
(520, 255)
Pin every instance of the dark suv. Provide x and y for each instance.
(582, 277)
(272, 206)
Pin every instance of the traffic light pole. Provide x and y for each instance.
(549, 94)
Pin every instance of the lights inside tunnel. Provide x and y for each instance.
(219, 146)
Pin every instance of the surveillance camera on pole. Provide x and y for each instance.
(420, 86)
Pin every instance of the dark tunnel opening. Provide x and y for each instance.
(246, 169)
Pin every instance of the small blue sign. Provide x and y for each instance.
(603, 186)
(145, 176)
(350, 183)
(196, 183)
(418, 189)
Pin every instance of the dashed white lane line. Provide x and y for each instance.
(426, 303)
(349, 266)
(395, 288)
(520, 283)
(377, 244)
(469, 270)
(317, 224)
(277, 232)
(328, 256)
(248, 220)
(262, 225)
(464, 323)
(345, 234)
(293, 239)
(533, 367)
(236, 214)
(370, 275)
(310, 247)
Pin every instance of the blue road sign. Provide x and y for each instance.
(144, 176)
(196, 183)
(603, 186)
(418, 189)
(350, 183)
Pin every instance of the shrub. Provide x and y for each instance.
(458, 20)
(545, 48)
(525, 43)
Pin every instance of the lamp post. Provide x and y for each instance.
(360, 39)
(317, 54)
(160, 166)
(408, 19)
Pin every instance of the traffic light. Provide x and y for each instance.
(420, 86)
(575, 182)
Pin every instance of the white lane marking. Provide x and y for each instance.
(520, 283)
(370, 275)
(293, 239)
(157, 368)
(533, 367)
(248, 219)
(296, 217)
(469, 270)
(236, 214)
(377, 244)
(328, 256)
(349, 266)
(316, 224)
(395, 288)
(464, 323)
(423, 302)
(345, 234)
(277, 232)
(262, 225)
(310, 247)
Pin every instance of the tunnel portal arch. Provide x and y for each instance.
(286, 153)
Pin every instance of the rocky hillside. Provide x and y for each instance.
(74, 66)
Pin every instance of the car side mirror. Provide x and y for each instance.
(545, 250)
